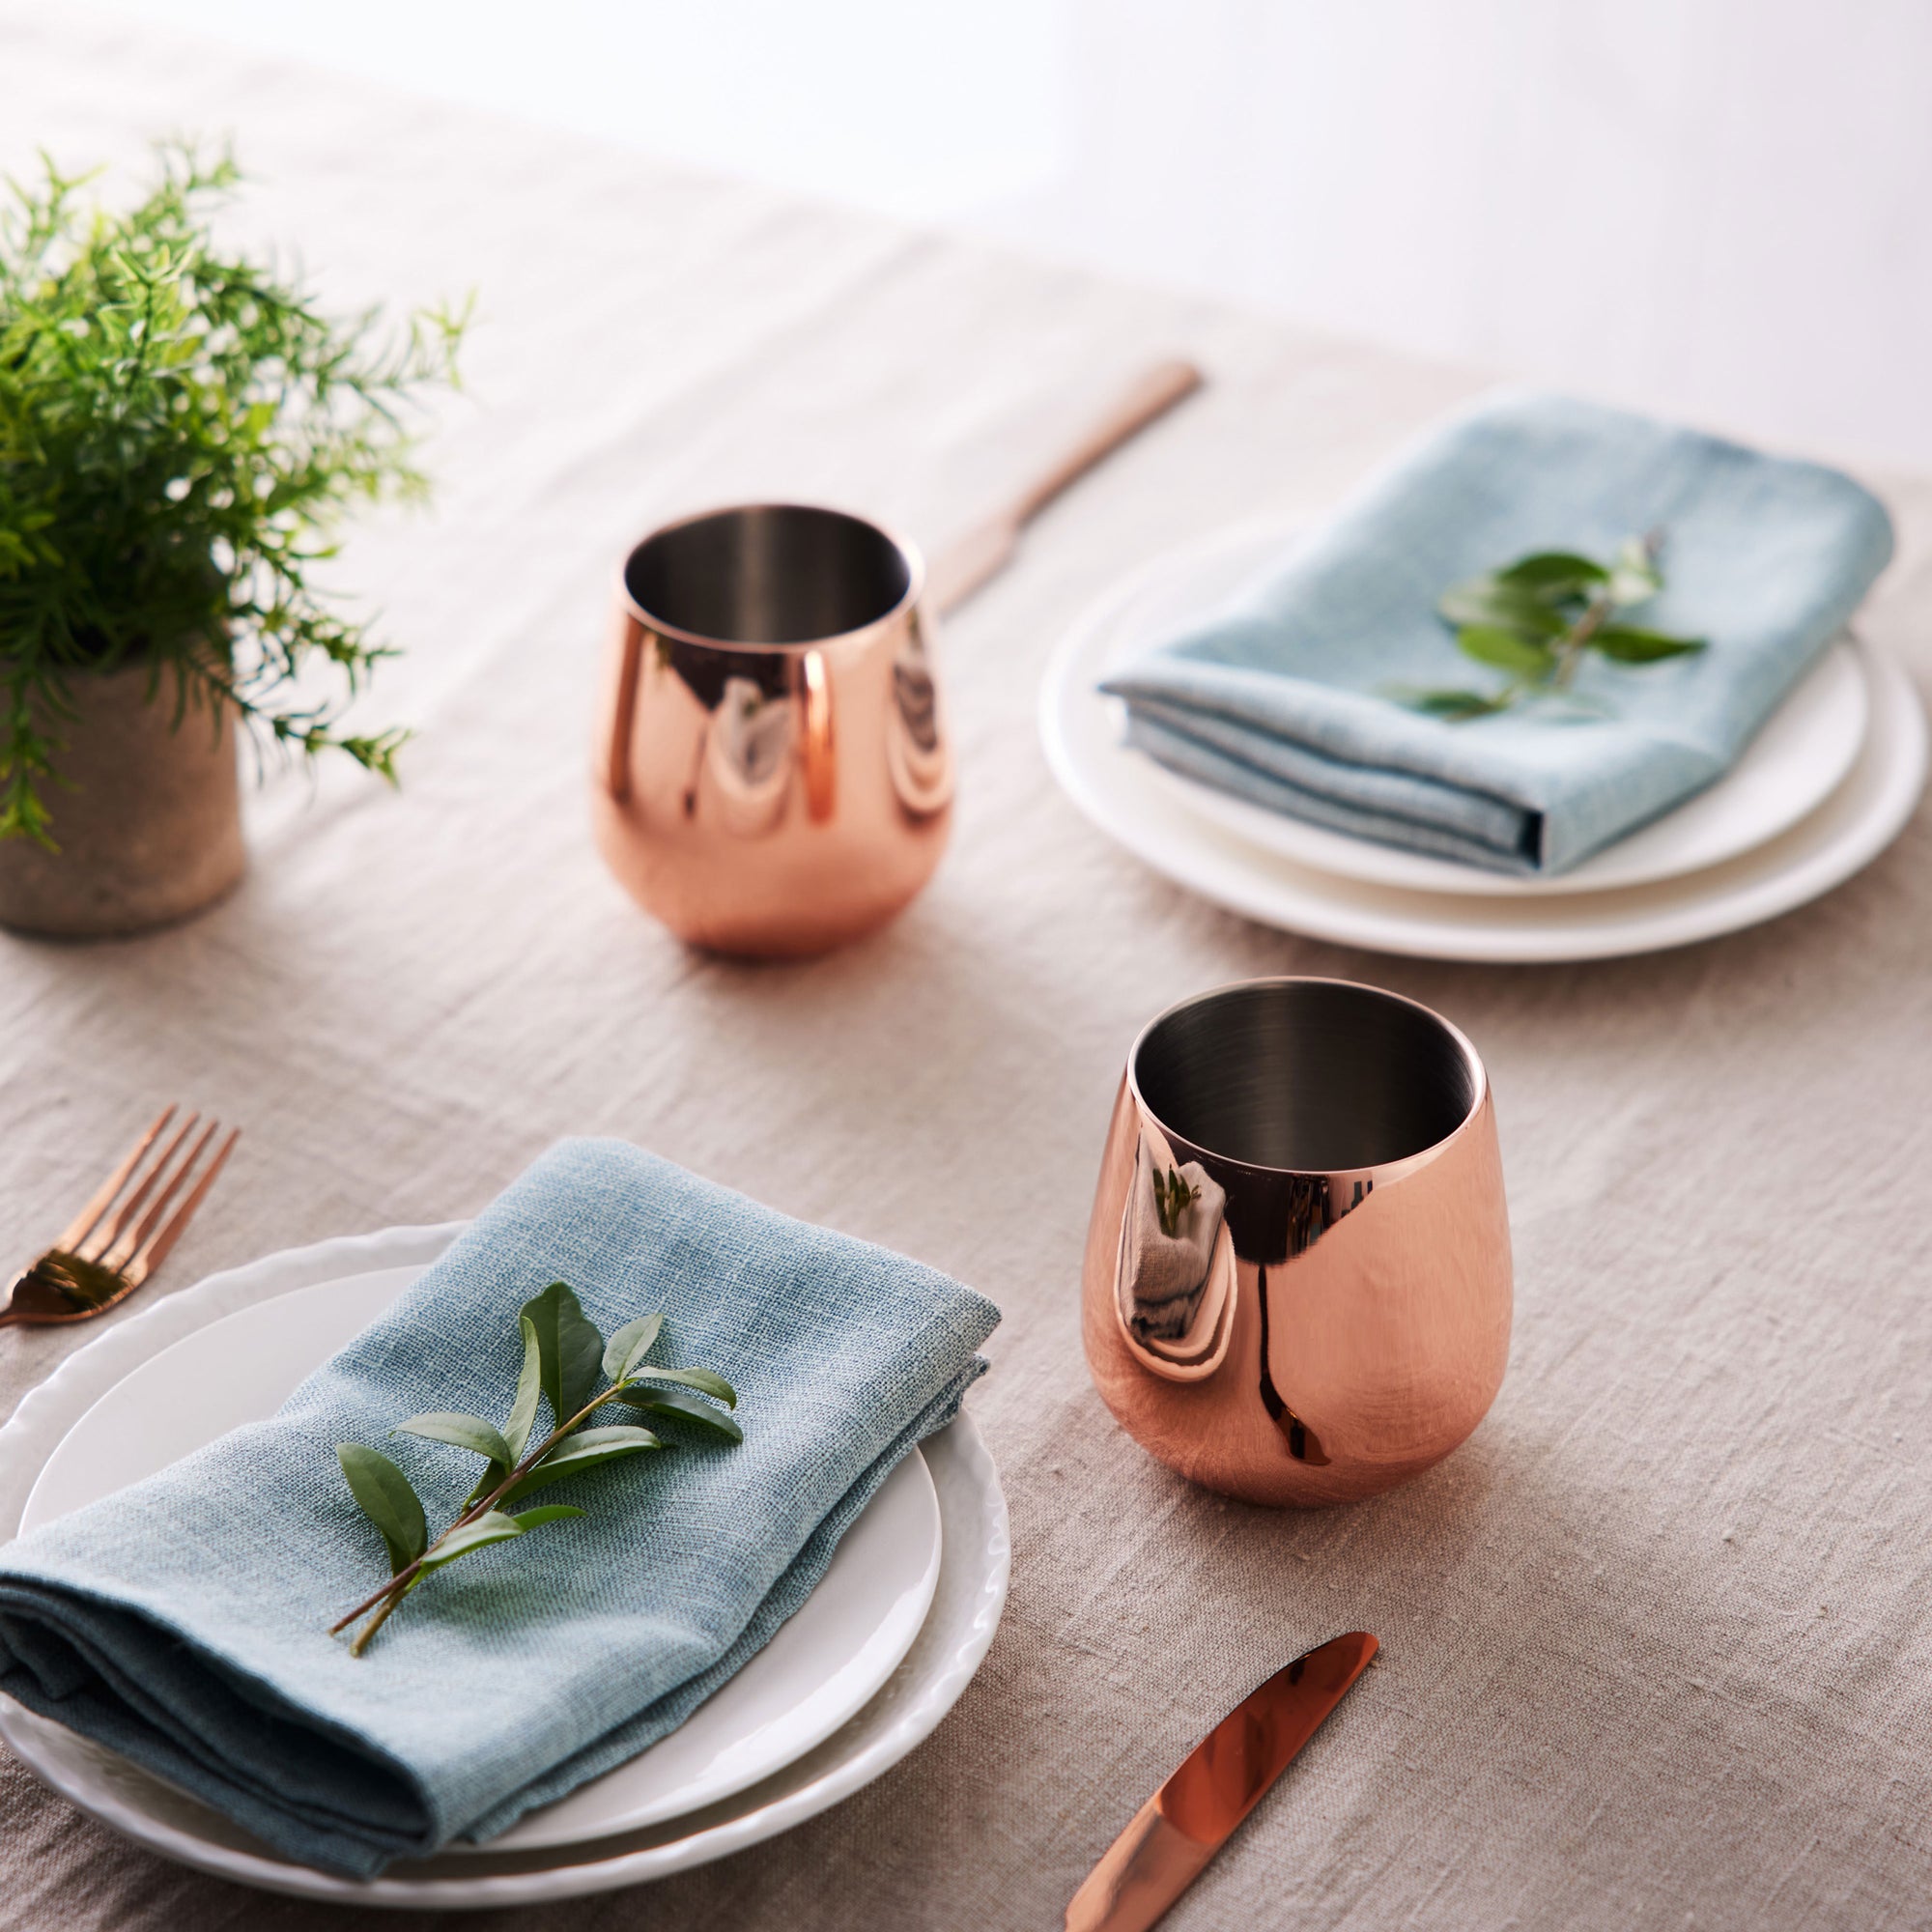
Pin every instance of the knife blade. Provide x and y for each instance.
(1178, 1830)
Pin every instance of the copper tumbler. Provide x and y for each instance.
(774, 775)
(1297, 1274)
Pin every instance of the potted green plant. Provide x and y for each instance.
(181, 428)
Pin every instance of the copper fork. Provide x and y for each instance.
(119, 1239)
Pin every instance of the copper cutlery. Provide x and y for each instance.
(1178, 1830)
(988, 547)
(125, 1231)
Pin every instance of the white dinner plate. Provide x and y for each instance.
(851, 1682)
(1844, 834)
(1802, 756)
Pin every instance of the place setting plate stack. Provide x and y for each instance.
(1824, 787)
(877, 1654)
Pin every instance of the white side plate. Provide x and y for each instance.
(819, 1718)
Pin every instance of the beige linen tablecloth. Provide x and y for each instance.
(1658, 1640)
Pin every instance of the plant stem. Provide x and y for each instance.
(397, 1585)
(1569, 652)
(1576, 640)
(376, 1623)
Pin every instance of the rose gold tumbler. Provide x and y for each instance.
(1329, 1151)
(774, 775)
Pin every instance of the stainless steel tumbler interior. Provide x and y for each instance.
(1313, 1075)
(768, 574)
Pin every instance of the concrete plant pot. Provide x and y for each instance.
(146, 813)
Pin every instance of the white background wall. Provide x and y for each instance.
(1717, 208)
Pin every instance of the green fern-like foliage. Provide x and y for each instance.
(180, 429)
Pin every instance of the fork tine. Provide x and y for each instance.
(82, 1225)
(129, 1245)
(150, 1257)
(107, 1242)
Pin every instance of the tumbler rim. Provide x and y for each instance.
(1479, 1078)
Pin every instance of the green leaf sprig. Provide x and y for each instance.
(1536, 620)
(568, 1365)
(1173, 1197)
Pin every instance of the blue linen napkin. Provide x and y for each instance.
(183, 1621)
(1281, 697)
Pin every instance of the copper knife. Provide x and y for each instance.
(1181, 1828)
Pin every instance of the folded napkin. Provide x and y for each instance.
(1282, 697)
(183, 1621)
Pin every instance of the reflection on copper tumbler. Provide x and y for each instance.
(1352, 1324)
(774, 775)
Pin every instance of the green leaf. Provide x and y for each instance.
(697, 1378)
(546, 1513)
(1507, 650)
(630, 1345)
(529, 1387)
(1554, 572)
(1628, 644)
(1454, 707)
(495, 1526)
(570, 1348)
(1491, 602)
(383, 1494)
(588, 1449)
(586, 1441)
(466, 1431)
(690, 1408)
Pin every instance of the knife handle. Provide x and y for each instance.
(1145, 1871)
